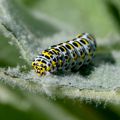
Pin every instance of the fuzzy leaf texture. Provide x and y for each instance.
(26, 30)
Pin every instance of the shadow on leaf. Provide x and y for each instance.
(103, 56)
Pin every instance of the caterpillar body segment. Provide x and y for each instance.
(66, 56)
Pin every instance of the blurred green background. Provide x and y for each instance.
(100, 17)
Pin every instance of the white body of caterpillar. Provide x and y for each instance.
(66, 56)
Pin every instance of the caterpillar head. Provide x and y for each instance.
(39, 67)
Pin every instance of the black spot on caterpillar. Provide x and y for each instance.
(66, 56)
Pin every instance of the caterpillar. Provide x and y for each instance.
(66, 56)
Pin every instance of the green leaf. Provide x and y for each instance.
(29, 107)
(30, 30)
(93, 16)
